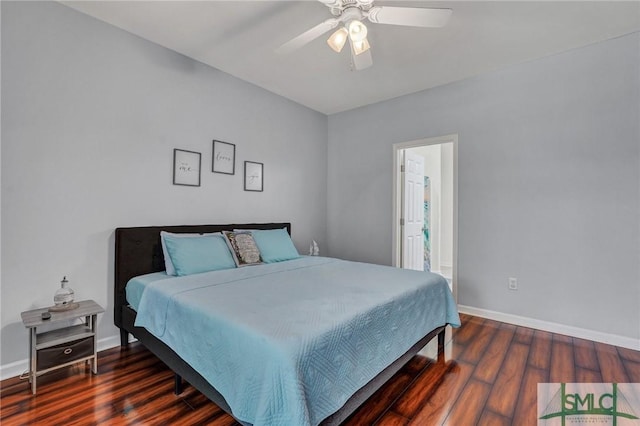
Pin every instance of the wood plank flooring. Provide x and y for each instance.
(489, 377)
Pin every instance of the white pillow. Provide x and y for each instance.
(168, 264)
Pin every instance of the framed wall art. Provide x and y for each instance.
(186, 167)
(253, 176)
(224, 158)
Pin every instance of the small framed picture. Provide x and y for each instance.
(186, 167)
(253, 176)
(224, 158)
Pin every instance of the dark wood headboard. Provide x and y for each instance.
(139, 252)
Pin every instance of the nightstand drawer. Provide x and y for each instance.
(66, 352)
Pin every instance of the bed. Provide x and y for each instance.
(294, 367)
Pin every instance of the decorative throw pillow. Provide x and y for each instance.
(243, 248)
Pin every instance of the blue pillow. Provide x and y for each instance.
(168, 265)
(275, 245)
(193, 255)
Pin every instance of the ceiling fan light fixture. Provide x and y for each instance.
(357, 31)
(360, 46)
(338, 39)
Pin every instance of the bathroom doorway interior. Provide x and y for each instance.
(426, 211)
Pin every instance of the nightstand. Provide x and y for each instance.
(59, 348)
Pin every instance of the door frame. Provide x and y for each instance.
(397, 200)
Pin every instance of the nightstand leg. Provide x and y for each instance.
(30, 354)
(94, 362)
(32, 357)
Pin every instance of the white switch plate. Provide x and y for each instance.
(513, 283)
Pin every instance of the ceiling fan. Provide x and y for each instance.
(348, 16)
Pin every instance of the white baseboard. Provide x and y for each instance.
(567, 330)
(19, 367)
(14, 369)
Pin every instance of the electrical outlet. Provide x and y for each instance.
(513, 283)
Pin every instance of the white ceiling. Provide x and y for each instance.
(239, 37)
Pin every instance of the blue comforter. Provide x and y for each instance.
(288, 343)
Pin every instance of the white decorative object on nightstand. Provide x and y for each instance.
(54, 349)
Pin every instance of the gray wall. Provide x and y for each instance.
(549, 169)
(549, 184)
(90, 117)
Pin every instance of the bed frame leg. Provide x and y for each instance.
(124, 338)
(441, 343)
(177, 386)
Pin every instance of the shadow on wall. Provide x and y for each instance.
(14, 329)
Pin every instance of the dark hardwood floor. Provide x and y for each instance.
(489, 377)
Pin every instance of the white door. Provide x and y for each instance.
(412, 218)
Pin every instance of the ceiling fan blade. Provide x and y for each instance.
(361, 61)
(410, 16)
(308, 36)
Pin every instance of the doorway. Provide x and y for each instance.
(436, 225)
